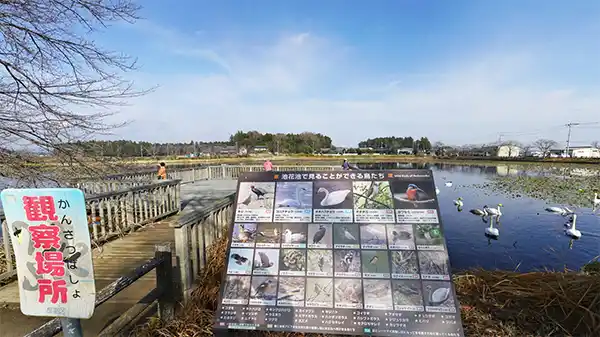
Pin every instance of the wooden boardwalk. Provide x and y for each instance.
(116, 259)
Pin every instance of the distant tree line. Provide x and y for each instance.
(393, 144)
(306, 142)
(128, 148)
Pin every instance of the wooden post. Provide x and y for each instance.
(130, 209)
(193, 175)
(182, 251)
(71, 327)
(164, 282)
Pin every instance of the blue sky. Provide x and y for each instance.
(455, 71)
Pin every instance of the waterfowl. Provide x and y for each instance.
(479, 212)
(333, 198)
(493, 211)
(437, 191)
(458, 202)
(572, 231)
(491, 231)
(448, 184)
(564, 211)
(258, 191)
(289, 237)
(596, 200)
(295, 203)
(437, 297)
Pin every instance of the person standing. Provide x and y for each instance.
(162, 171)
(268, 166)
(345, 165)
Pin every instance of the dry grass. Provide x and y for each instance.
(493, 303)
(3, 266)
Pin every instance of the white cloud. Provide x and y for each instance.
(302, 82)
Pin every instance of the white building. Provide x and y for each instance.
(586, 152)
(509, 151)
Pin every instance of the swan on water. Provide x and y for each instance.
(492, 231)
(564, 211)
(458, 202)
(572, 231)
(333, 198)
(493, 211)
(437, 191)
(289, 237)
(437, 297)
(479, 212)
(295, 203)
(596, 200)
(448, 184)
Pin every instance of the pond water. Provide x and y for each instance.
(530, 238)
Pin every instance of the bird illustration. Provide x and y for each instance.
(259, 291)
(347, 260)
(400, 236)
(246, 234)
(373, 189)
(415, 193)
(260, 192)
(239, 259)
(295, 203)
(319, 234)
(321, 263)
(17, 233)
(247, 200)
(263, 262)
(373, 261)
(375, 233)
(289, 237)
(333, 198)
(347, 234)
(437, 297)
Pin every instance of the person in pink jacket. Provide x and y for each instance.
(268, 165)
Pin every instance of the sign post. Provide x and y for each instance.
(50, 236)
(343, 252)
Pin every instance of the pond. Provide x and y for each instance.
(530, 238)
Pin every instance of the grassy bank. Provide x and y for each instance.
(493, 303)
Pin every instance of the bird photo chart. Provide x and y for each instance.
(338, 252)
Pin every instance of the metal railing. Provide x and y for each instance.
(194, 233)
(111, 214)
(163, 295)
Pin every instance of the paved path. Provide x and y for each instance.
(116, 259)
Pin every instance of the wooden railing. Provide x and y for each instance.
(194, 233)
(112, 214)
(163, 296)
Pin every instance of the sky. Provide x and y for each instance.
(459, 72)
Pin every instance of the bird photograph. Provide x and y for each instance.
(375, 263)
(438, 294)
(320, 236)
(400, 236)
(292, 262)
(243, 234)
(236, 289)
(434, 263)
(348, 293)
(263, 290)
(372, 195)
(347, 263)
(240, 261)
(294, 235)
(291, 291)
(346, 235)
(404, 264)
(270, 234)
(297, 195)
(332, 194)
(373, 236)
(428, 235)
(378, 294)
(407, 294)
(266, 262)
(253, 195)
(319, 292)
(320, 262)
(415, 196)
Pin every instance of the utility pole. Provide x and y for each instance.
(569, 125)
(500, 135)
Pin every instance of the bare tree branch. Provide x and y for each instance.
(544, 145)
(57, 85)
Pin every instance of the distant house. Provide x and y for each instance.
(585, 152)
(405, 150)
(508, 151)
(260, 148)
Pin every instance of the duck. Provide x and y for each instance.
(493, 211)
(458, 202)
(333, 198)
(564, 211)
(572, 231)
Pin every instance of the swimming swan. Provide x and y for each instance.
(493, 211)
(333, 198)
(572, 231)
(296, 203)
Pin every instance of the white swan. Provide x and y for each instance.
(448, 184)
(296, 203)
(493, 211)
(437, 191)
(289, 237)
(596, 200)
(333, 198)
(458, 202)
(572, 231)
(491, 230)
(564, 211)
